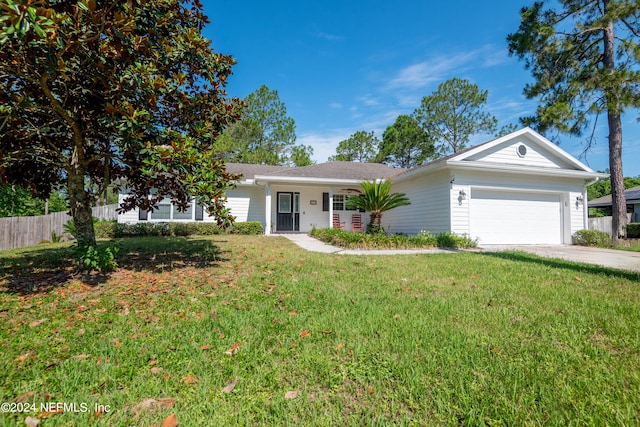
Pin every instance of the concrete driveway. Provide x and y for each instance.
(624, 260)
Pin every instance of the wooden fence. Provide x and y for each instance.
(21, 231)
(604, 223)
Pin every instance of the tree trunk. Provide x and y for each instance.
(80, 208)
(618, 200)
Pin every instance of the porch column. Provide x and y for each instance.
(330, 207)
(267, 210)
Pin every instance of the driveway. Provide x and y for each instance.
(624, 260)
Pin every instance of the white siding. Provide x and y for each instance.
(127, 217)
(246, 204)
(507, 153)
(460, 208)
(429, 209)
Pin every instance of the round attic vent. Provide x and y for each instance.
(521, 150)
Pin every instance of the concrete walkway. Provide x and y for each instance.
(624, 260)
(315, 245)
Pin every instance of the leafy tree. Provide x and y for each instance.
(376, 198)
(263, 135)
(18, 201)
(603, 187)
(359, 147)
(97, 91)
(506, 130)
(584, 59)
(405, 144)
(453, 113)
(301, 155)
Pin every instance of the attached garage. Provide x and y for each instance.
(511, 217)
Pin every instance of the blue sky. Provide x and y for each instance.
(345, 66)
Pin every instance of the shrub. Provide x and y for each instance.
(633, 230)
(591, 238)
(425, 239)
(454, 241)
(183, 228)
(100, 259)
(252, 227)
(105, 229)
(207, 229)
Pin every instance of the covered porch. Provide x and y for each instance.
(292, 207)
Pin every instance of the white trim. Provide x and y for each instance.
(303, 180)
(475, 165)
(536, 137)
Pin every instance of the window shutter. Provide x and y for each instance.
(199, 212)
(325, 202)
(142, 214)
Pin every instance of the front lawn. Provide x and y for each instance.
(251, 330)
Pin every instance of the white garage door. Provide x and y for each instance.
(504, 217)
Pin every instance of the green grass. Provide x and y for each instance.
(440, 339)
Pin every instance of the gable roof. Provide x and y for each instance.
(332, 171)
(631, 194)
(560, 163)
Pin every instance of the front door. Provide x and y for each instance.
(288, 218)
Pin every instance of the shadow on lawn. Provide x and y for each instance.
(41, 270)
(560, 263)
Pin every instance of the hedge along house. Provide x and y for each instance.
(517, 189)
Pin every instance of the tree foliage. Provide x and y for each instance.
(454, 113)
(94, 91)
(263, 135)
(405, 144)
(584, 59)
(603, 187)
(301, 155)
(377, 198)
(362, 146)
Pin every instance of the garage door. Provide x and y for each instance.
(503, 217)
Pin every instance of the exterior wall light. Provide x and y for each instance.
(462, 195)
(579, 200)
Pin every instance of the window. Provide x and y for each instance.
(167, 211)
(340, 202)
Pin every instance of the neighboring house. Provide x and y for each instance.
(633, 202)
(517, 189)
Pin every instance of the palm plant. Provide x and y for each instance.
(377, 198)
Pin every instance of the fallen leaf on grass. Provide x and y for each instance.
(293, 313)
(339, 347)
(156, 370)
(578, 279)
(81, 356)
(205, 347)
(235, 347)
(170, 421)
(290, 395)
(229, 388)
(305, 333)
(25, 397)
(151, 404)
(31, 422)
(396, 316)
(370, 390)
(24, 357)
(37, 322)
(190, 379)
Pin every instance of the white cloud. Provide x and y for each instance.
(335, 105)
